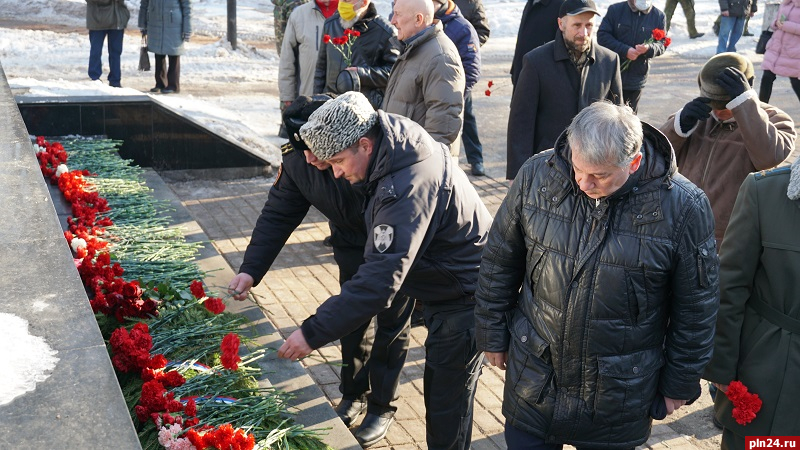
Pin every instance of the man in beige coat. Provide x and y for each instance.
(427, 81)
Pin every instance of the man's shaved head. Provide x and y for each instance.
(412, 16)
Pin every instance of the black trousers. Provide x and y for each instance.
(517, 439)
(168, 78)
(452, 367)
(631, 98)
(766, 86)
(374, 354)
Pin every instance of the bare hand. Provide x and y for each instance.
(726, 13)
(721, 387)
(779, 24)
(295, 347)
(497, 359)
(632, 54)
(287, 103)
(642, 49)
(352, 69)
(673, 405)
(240, 285)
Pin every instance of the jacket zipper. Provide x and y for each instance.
(710, 155)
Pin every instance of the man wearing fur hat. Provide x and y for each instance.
(726, 133)
(371, 52)
(427, 82)
(426, 229)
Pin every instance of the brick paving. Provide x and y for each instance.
(305, 274)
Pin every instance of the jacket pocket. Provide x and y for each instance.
(637, 294)
(626, 386)
(707, 263)
(529, 372)
(534, 264)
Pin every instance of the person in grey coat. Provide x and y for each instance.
(167, 25)
(106, 19)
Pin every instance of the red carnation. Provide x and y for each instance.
(196, 289)
(659, 34)
(355, 33)
(488, 93)
(230, 351)
(491, 83)
(326, 38)
(667, 42)
(215, 305)
(191, 408)
(745, 404)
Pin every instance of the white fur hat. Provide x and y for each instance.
(338, 124)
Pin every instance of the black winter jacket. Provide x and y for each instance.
(550, 92)
(473, 11)
(426, 230)
(373, 55)
(537, 27)
(600, 308)
(623, 28)
(297, 187)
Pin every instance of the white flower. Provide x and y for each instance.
(61, 169)
(37, 149)
(77, 243)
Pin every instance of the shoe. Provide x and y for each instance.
(327, 241)
(349, 410)
(372, 429)
(168, 91)
(716, 422)
(698, 35)
(478, 169)
(155, 89)
(116, 85)
(747, 33)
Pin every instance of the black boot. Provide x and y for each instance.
(372, 429)
(349, 410)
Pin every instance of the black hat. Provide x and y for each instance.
(297, 114)
(575, 7)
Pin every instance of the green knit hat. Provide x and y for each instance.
(707, 79)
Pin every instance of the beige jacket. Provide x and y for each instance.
(427, 86)
(301, 42)
(717, 156)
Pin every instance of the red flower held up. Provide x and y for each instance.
(659, 34)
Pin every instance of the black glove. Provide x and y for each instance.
(733, 81)
(296, 115)
(693, 112)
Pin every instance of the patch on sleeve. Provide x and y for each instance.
(383, 235)
(278, 176)
(472, 48)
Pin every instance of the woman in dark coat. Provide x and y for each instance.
(758, 325)
(167, 24)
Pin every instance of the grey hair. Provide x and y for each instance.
(606, 133)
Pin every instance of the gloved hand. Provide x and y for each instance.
(693, 112)
(296, 115)
(186, 36)
(733, 81)
(144, 31)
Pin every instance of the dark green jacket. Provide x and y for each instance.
(106, 15)
(760, 265)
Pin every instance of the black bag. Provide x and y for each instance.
(144, 58)
(761, 46)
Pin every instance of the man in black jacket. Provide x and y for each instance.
(537, 27)
(427, 227)
(559, 79)
(364, 63)
(626, 30)
(304, 181)
(598, 287)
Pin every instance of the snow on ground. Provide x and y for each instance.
(48, 63)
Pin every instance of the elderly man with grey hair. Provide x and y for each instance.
(426, 227)
(598, 287)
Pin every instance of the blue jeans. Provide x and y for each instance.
(472, 145)
(730, 30)
(96, 39)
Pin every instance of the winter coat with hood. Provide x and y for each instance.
(166, 22)
(427, 85)
(463, 35)
(550, 92)
(106, 15)
(783, 49)
(624, 27)
(373, 55)
(717, 156)
(600, 307)
(301, 42)
(758, 325)
(434, 256)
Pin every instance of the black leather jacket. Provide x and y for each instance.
(600, 307)
(372, 54)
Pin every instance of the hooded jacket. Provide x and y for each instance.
(757, 325)
(106, 15)
(600, 307)
(166, 22)
(783, 49)
(427, 86)
(373, 56)
(623, 28)
(426, 227)
(717, 156)
(550, 92)
(463, 35)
